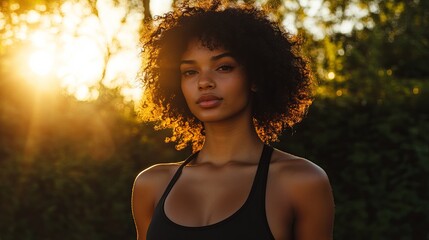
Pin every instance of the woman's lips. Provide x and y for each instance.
(209, 101)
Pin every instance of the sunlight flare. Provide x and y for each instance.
(82, 59)
(84, 93)
(41, 62)
(78, 50)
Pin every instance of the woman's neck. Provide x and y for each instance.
(230, 142)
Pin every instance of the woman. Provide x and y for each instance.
(228, 80)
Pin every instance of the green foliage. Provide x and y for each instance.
(66, 199)
(377, 157)
(69, 173)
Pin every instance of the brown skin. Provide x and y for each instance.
(217, 183)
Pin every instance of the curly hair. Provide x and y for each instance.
(271, 58)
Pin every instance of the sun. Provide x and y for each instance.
(42, 54)
(76, 51)
(41, 62)
(68, 62)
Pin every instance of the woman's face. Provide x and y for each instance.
(214, 84)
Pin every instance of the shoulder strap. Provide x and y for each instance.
(262, 175)
(177, 175)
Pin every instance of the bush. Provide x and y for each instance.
(377, 157)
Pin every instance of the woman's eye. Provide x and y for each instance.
(225, 68)
(189, 73)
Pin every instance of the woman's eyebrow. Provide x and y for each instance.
(214, 58)
(222, 55)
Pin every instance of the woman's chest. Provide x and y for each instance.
(206, 196)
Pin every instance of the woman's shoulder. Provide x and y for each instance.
(152, 181)
(297, 174)
(156, 175)
(148, 188)
(305, 188)
(296, 167)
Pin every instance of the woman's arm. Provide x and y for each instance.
(148, 188)
(142, 204)
(313, 204)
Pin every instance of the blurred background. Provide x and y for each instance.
(71, 142)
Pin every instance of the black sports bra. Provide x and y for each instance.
(248, 222)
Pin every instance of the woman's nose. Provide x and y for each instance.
(206, 81)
